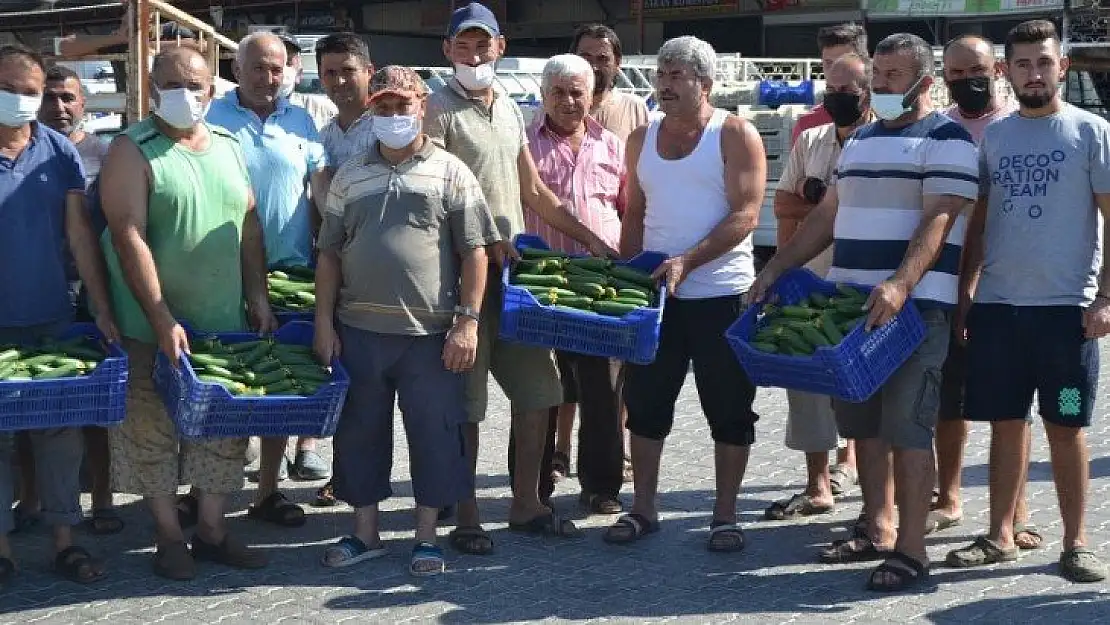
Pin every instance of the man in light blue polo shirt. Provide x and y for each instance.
(285, 160)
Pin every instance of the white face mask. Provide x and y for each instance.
(288, 82)
(475, 78)
(397, 131)
(17, 109)
(889, 106)
(180, 108)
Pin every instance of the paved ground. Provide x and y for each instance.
(669, 577)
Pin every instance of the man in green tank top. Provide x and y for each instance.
(183, 243)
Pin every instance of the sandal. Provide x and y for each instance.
(472, 540)
(173, 561)
(427, 560)
(188, 511)
(938, 521)
(725, 537)
(230, 552)
(560, 465)
(799, 505)
(350, 550)
(597, 503)
(908, 573)
(629, 528)
(76, 564)
(325, 497)
(982, 552)
(550, 524)
(1033, 538)
(278, 510)
(849, 550)
(7, 572)
(103, 522)
(1081, 565)
(841, 478)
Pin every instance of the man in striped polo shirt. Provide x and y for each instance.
(897, 217)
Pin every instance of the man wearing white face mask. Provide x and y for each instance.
(402, 267)
(897, 211)
(320, 108)
(486, 130)
(183, 242)
(286, 161)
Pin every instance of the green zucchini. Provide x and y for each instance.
(613, 309)
(578, 301)
(10, 355)
(233, 387)
(218, 361)
(596, 265)
(281, 387)
(535, 252)
(306, 297)
(538, 280)
(828, 326)
(635, 276)
(640, 293)
(589, 289)
(57, 372)
(635, 301)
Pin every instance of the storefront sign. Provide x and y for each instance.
(667, 8)
(955, 8)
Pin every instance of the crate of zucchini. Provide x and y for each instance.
(812, 339)
(74, 380)
(236, 384)
(292, 293)
(583, 305)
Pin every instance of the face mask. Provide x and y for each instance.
(844, 108)
(180, 108)
(891, 106)
(397, 131)
(972, 94)
(17, 109)
(288, 82)
(474, 78)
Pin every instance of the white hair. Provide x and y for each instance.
(567, 66)
(692, 52)
(256, 38)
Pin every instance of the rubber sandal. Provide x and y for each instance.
(937, 521)
(1082, 566)
(104, 522)
(797, 506)
(629, 528)
(173, 561)
(310, 466)
(278, 510)
(350, 551)
(471, 540)
(7, 572)
(1030, 530)
(427, 553)
(718, 543)
(550, 524)
(188, 511)
(76, 564)
(597, 503)
(230, 552)
(982, 552)
(325, 497)
(842, 478)
(849, 550)
(909, 574)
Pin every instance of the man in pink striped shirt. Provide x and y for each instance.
(583, 164)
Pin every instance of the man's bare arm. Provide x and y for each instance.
(319, 181)
(791, 206)
(86, 252)
(475, 267)
(328, 278)
(252, 258)
(971, 261)
(1103, 201)
(745, 185)
(124, 187)
(535, 194)
(814, 236)
(937, 218)
(632, 224)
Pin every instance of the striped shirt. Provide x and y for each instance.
(342, 145)
(587, 181)
(883, 176)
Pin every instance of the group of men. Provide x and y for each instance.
(408, 203)
(945, 209)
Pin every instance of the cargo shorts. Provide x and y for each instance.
(527, 375)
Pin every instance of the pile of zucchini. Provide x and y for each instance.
(258, 368)
(816, 321)
(50, 360)
(583, 283)
(292, 289)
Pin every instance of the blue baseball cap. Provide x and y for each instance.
(473, 15)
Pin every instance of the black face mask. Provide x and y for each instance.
(843, 108)
(971, 94)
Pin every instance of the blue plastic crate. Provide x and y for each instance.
(99, 398)
(632, 338)
(852, 370)
(204, 410)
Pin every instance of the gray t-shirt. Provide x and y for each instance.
(93, 151)
(1043, 239)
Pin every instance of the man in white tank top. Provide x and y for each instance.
(696, 182)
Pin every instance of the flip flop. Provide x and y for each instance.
(629, 528)
(1030, 530)
(350, 551)
(842, 478)
(427, 553)
(849, 550)
(471, 539)
(725, 537)
(797, 506)
(550, 524)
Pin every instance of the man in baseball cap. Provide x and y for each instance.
(407, 325)
(473, 15)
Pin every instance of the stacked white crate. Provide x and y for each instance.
(774, 127)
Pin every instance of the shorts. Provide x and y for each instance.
(1014, 351)
(693, 331)
(528, 375)
(953, 384)
(567, 377)
(408, 370)
(810, 422)
(903, 412)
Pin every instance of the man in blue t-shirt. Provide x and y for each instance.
(42, 208)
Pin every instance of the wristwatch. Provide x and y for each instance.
(466, 311)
